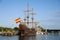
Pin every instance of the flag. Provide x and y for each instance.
(18, 20)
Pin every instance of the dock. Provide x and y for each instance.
(8, 33)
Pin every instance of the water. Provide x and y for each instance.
(9, 38)
(50, 36)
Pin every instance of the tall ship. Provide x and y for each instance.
(28, 26)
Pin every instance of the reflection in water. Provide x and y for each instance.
(50, 36)
(27, 38)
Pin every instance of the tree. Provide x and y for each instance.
(41, 28)
(15, 28)
(1, 28)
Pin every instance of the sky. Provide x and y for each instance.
(47, 12)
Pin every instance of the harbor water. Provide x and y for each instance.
(50, 36)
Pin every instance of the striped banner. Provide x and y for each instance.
(18, 20)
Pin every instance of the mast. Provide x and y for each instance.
(28, 12)
(27, 15)
(32, 17)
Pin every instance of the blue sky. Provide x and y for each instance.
(47, 12)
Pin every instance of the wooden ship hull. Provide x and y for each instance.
(24, 31)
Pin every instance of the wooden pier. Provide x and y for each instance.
(8, 33)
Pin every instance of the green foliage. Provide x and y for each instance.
(15, 28)
(8, 29)
(1, 28)
(41, 28)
